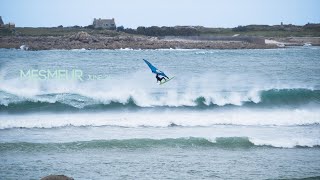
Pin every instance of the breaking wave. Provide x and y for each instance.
(183, 118)
(10, 102)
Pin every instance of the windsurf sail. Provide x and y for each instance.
(154, 69)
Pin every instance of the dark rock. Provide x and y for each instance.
(57, 177)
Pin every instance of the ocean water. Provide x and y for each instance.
(227, 114)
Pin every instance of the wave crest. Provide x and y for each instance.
(190, 142)
(69, 101)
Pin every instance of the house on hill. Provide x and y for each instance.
(104, 23)
(9, 25)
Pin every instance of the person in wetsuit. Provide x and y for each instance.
(159, 78)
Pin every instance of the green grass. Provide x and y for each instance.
(6, 32)
(27, 31)
(268, 33)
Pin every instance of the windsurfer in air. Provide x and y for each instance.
(159, 74)
(160, 78)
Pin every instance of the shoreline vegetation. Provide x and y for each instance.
(178, 37)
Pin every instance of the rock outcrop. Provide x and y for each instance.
(84, 40)
(57, 177)
(83, 37)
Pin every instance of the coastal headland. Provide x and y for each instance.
(242, 37)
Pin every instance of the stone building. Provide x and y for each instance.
(9, 25)
(104, 23)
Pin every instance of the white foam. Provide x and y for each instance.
(275, 136)
(285, 142)
(278, 117)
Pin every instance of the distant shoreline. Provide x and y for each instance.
(133, 42)
(82, 38)
(121, 42)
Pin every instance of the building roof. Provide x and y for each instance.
(106, 21)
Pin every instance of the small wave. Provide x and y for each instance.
(304, 178)
(82, 49)
(190, 142)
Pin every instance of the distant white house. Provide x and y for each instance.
(104, 23)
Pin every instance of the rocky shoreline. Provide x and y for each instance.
(84, 40)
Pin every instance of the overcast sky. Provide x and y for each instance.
(133, 13)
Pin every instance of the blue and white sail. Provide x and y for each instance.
(154, 69)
